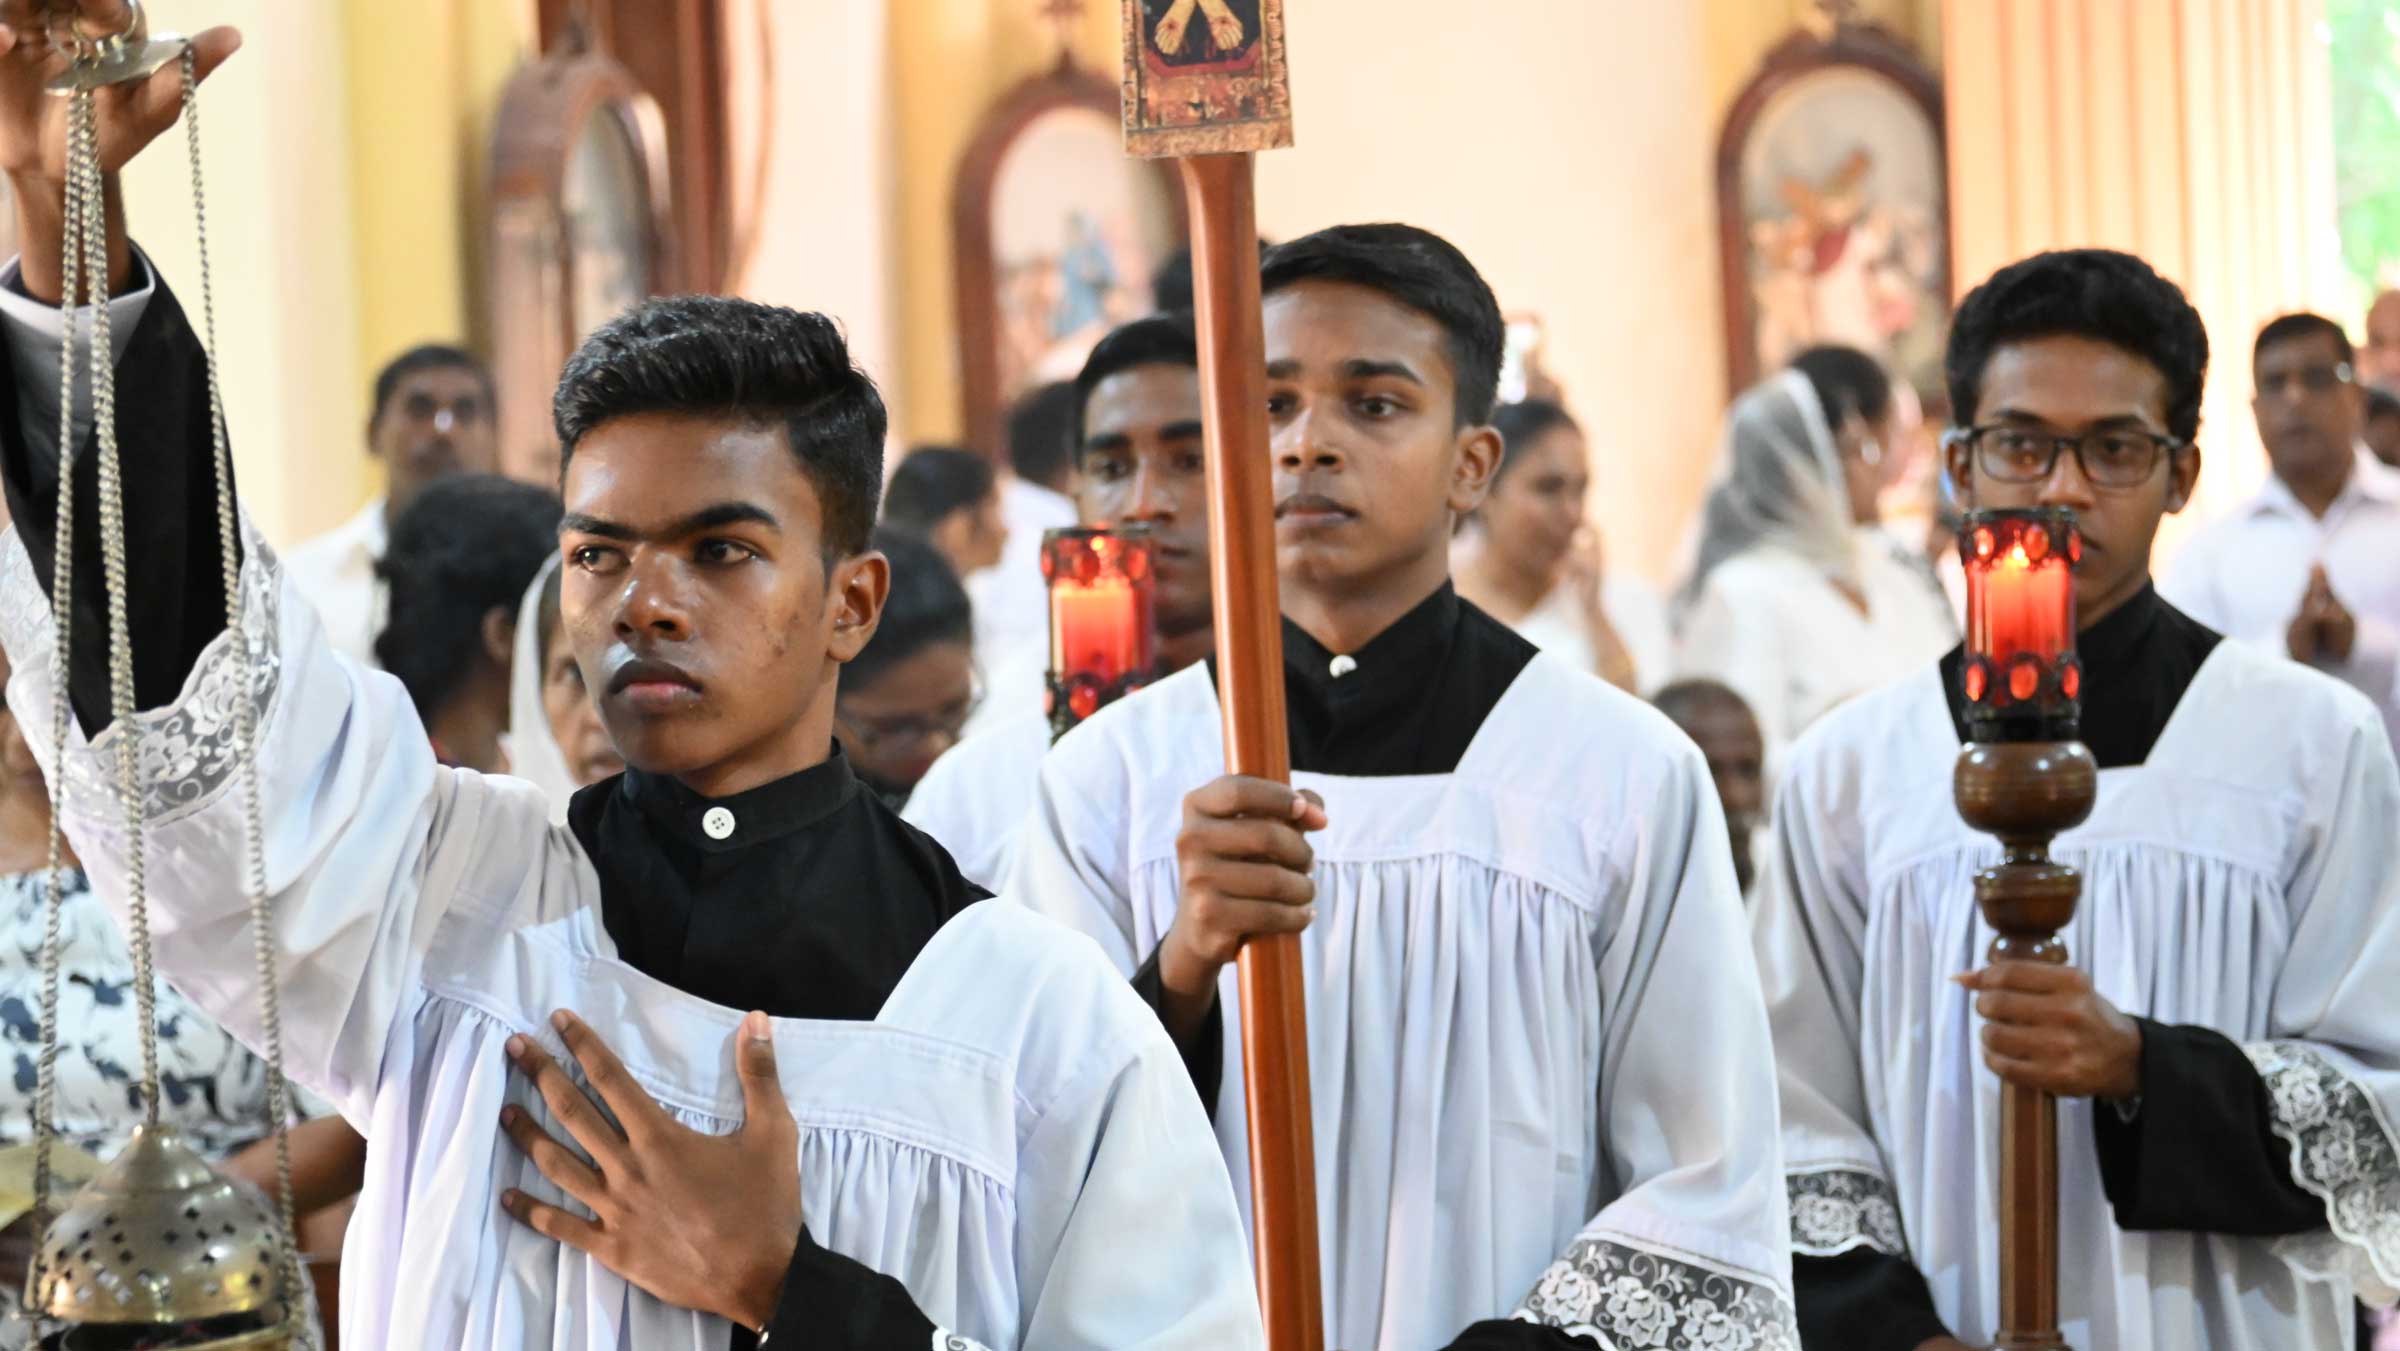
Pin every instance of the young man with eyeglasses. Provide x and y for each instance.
(906, 695)
(2221, 1037)
(2311, 565)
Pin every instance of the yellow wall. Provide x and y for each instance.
(951, 61)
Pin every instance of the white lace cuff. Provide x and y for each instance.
(951, 1341)
(1836, 1208)
(1628, 1296)
(2345, 1153)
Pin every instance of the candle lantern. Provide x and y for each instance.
(1103, 636)
(2021, 678)
(2023, 777)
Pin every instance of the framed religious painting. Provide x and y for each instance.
(1833, 211)
(579, 232)
(1056, 234)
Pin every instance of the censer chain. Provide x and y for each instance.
(84, 272)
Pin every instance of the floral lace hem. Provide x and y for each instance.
(1630, 1298)
(2346, 1154)
(188, 749)
(1835, 1209)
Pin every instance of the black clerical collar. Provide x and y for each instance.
(1413, 643)
(769, 811)
(1408, 702)
(2137, 662)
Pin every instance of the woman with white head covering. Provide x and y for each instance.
(554, 734)
(1793, 601)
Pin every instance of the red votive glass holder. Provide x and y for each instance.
(2020, 678)
(1103, 629)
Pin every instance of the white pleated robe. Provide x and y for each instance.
(1013, 1138)
(1539, 1066)
(2242, 878)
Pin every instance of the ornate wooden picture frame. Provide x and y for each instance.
(580, 228)
(1055, 234)
(1833, 207)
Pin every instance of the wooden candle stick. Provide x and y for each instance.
(2024, 778)
(1204, 83)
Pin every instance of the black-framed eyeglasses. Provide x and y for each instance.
(875, 735)
(2121, 457)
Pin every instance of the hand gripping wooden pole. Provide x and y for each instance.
(1204, 83)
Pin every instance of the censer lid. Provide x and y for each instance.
(159, 1237)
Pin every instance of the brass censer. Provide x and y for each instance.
(160, 1250)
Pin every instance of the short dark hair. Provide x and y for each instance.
(931, 483)
(1171, 280)
(1159, 340)
(2100, 294)
(2381, 402)
(1041, 434)
(467, 545)
(1683, 698)
(1847, 381)
(1421, 270)
(713, 355)
(2292, 327)
(926, 605)
(430, 356)
(1521, 424)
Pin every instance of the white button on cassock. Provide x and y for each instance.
(717, 822)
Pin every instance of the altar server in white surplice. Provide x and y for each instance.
(980, 1137)
(2223, 1038)
(1543, 1087)
(1138, 461)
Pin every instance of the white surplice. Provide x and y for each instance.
(977, 795)
(1539, 1065)
(2241, 879)
(1013, 1138)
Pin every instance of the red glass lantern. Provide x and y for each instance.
(1103, 632)
(2021, 680)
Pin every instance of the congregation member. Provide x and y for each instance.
(1139, 461)
(1011, 606)
(2381, 432)
(2220, 1036)
(908, 693)
(2309, 567)
(461, 556)
(950, 498)
(2379, 359)
(1721, 725)
(556, 740)
(1541, 1073)
(985, 1140)
(1532, 560)
(433, 416)
(1794, 601)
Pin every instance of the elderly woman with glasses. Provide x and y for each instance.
(1796, 600)
(906, 695)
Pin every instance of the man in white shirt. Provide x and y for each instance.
(2379, 363)
(2310, 566)
(432, 418)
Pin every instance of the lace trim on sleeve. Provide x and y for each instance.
(1630, 1297)
(1837, 1209)
(951, 1341)
(2344, 1152)
(189, 748)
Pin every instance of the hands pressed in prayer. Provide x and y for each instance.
(2046, 1028)
(706, 1222)
(2324, 629)
(33, 123)
(1245, 866)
